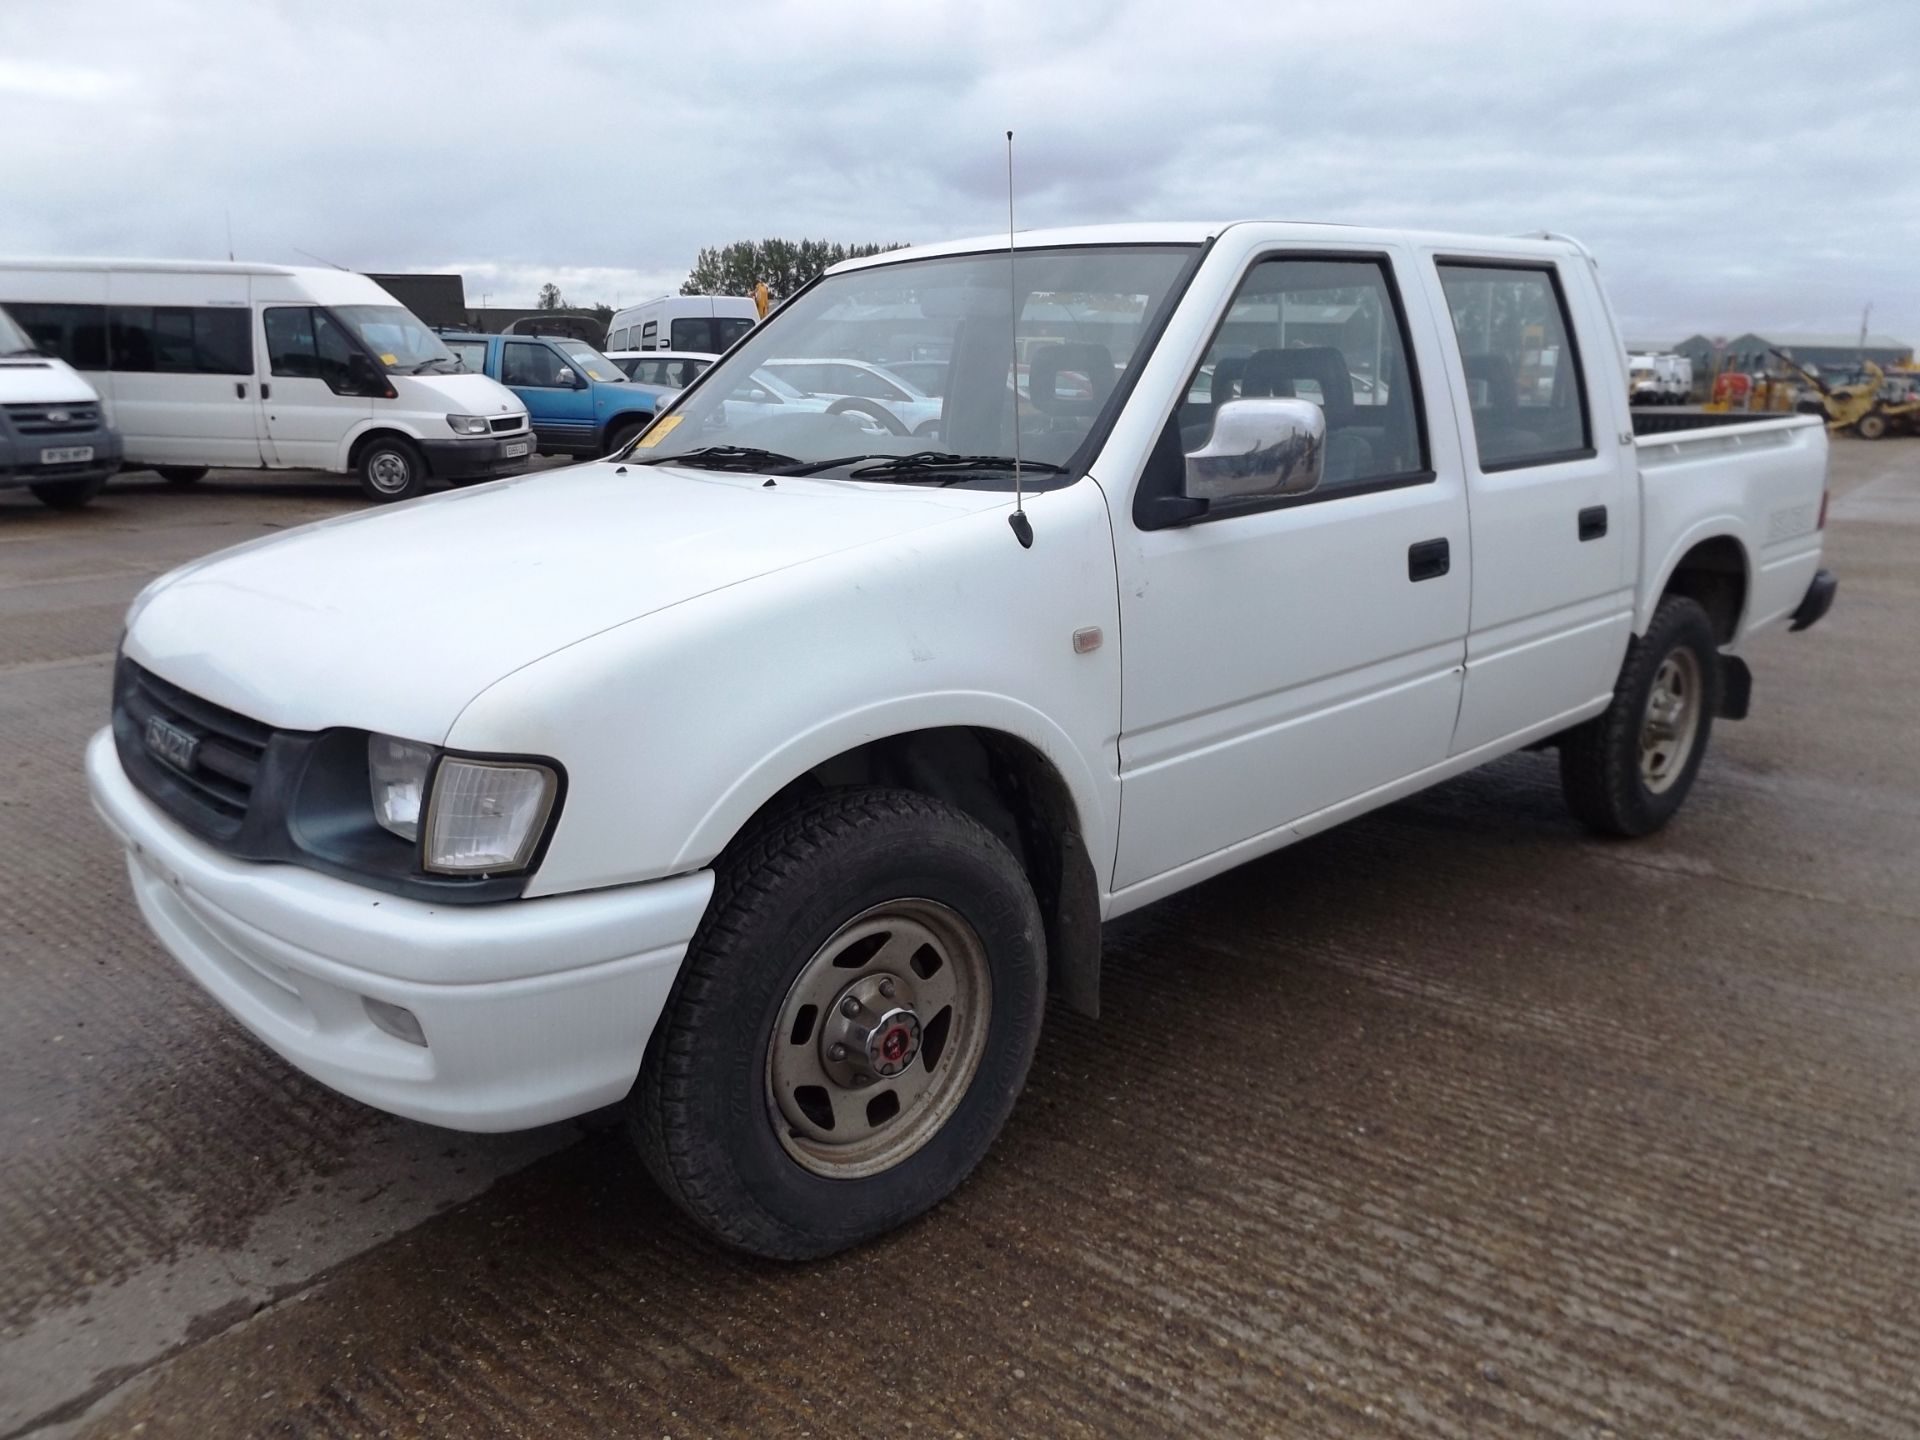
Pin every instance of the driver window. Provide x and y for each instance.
(1328, 332)
(523, 362)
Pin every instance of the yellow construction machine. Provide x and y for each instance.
(1882, 403)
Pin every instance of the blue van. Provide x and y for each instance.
(581, 402)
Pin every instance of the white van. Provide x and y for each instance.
(706, 324)
(268, 367)
(54, 436)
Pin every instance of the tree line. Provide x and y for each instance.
(783, 265)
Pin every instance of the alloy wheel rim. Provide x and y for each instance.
(878, 1039)
(1670, 721)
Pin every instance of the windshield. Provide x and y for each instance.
(398, 337)
(13, 340)
(800, 389)
(591, 363)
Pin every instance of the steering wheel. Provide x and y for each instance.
(877, 413)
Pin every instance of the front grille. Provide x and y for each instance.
(211, 796)
(53, 419)
(507, 423)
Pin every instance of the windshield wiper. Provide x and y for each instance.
(724, 457)
(938, 461)
(437, 360)
(28, 351)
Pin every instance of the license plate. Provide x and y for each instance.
(513, 451)
(67, 455)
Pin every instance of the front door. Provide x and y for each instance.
(1284, 656)
(556, 394)
(316, 394)
(184, 386)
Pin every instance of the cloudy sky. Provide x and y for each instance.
(1735, 166)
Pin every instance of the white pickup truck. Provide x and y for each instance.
(766, 777)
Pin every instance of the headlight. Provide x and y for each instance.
(397, 771)
(486, 815)
(467, 424)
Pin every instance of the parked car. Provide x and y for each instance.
(671, 369)
(703, 324)
(581, 402)
(274, 367)
(929, 377)
(765, 779)
(54, 436)
(863, 388)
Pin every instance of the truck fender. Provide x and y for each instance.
(1713, 527)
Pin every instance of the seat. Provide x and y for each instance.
(1047, 363)
(1224, 384)
(1497, 427)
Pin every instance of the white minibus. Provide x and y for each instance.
(706, 324)
(205, 364)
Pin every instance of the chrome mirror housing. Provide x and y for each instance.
(1261, 447)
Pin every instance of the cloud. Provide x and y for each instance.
(1733, 167)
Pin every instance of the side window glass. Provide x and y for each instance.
(522, 362)
(223, 342)
(290, 349)
(130, 338)
(470, 353)
(334, 353)
(76, 334)
(1523, 375)
(1329, 332)
(650, 335)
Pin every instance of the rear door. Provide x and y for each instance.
(181, 349)
(1284, 656)
(1551, 487)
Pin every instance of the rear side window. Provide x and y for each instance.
(1522, 368)
(650, 335)
(180, 340)
(76, 334)
(470, 353)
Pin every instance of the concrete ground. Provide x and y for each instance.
(1451, 1122)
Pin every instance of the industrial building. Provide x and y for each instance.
(1751, 354)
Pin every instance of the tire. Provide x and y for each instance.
(68, 494)
(1620, 774)
(621, 434)
(181, 474)
(390, 469)
(813, 884)
(1871, 426)
(879, 414)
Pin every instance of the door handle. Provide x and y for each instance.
(266, 391)
(1428, 559)
(1593, 522)
(240, 389)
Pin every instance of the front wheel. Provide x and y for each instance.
(623, 432)
(850, 1028)
(1872, 426)
(1626, 771)
(870, 410)
(390, 470)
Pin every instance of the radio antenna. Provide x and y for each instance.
(1022, 527)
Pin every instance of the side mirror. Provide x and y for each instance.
(1261, 447)
(567, 379)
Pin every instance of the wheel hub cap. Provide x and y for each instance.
(874, 1032)
(1671, 719)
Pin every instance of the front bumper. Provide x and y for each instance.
(532, 1010)
(21, 463)
(480, 457)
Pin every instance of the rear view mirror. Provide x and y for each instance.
(568, 379)
(1260, 447)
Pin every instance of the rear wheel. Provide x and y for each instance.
(850, 1028)
(68, 494)
(390, 469)
(1871, 426)
(871, 410)
(181, 474)
(1626, 771)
